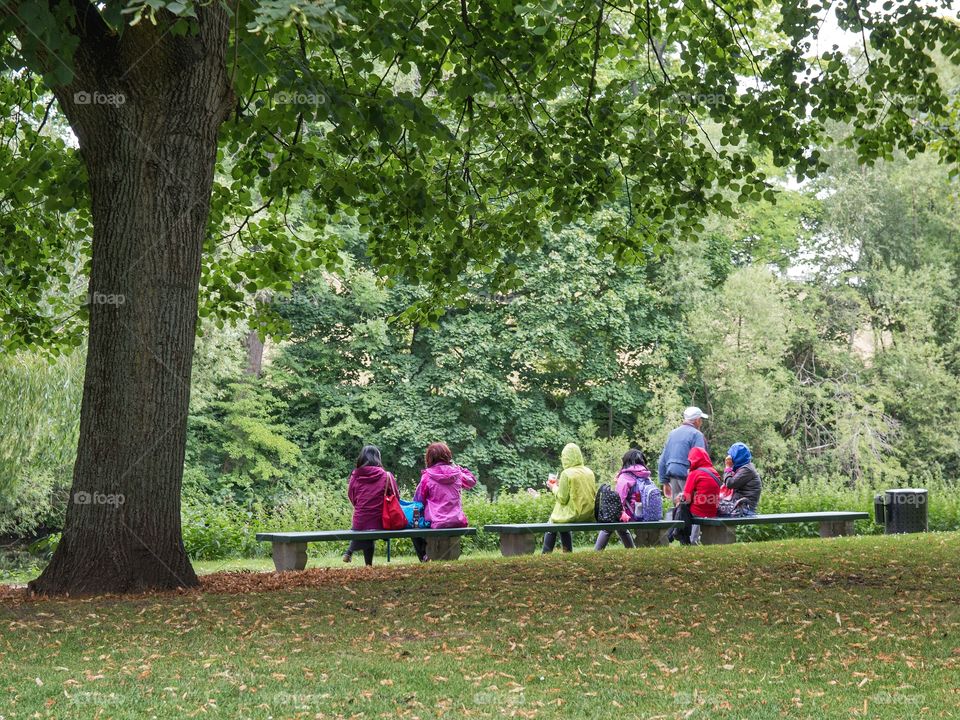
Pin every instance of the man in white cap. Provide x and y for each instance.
(674, 465)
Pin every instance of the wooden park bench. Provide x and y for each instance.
(721, 530)
(290, 548)
(520, 540)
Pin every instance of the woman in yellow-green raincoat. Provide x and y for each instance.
(576, 490)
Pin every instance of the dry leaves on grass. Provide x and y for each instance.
(242, 582)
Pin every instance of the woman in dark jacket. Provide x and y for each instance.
(366, 488)
(742, 477)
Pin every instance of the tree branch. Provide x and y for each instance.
(596, 59)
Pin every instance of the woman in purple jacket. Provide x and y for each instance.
(366, 488)
(439, 491)
(640, 498)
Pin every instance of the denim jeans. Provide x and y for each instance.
(604, 537)
(550, 541)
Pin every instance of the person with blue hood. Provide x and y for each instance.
(741, 476)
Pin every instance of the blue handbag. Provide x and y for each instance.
(414, 512)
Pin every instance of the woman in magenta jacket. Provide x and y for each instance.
(366, 488)
(439, 491)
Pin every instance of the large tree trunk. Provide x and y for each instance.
(149, 141)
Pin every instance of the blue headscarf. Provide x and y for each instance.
(740, 454)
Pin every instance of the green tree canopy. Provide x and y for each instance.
(452, 132)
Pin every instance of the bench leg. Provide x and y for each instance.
(443, 548)
(512, 544)
(717, 535)
(650, 538)
(836, 528)
(289, 556)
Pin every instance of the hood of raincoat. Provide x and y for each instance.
(699, 458)
(443, 474)
(639, 471)
(571, 456)
(740, 454)
(369, 474)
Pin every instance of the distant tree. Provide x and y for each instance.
(745, 330)
(505, 378)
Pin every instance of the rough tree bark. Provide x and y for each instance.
(146, 107)
(254, 354)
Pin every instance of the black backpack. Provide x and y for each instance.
(607, 506)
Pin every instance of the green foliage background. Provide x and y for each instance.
(822, 330)
(828, 347)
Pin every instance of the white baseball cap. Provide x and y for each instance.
(693, 413)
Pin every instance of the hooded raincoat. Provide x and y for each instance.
(439, 491)
(576, 489)
(703, 484)
(365, 490)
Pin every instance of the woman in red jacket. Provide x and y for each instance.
(700, 497)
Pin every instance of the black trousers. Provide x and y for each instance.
(366, 546)
(420, 547)
(683, 513)
(550, 541)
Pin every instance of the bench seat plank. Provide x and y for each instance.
(783, 518)
(524, 528)
(335, 535)
(290, 548)
(518, 539)
(723, 530)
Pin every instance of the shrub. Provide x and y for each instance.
(508, 508)
(316, 508)
(217, 531)
(37, 500)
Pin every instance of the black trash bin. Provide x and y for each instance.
(878, 514)
(903, 510)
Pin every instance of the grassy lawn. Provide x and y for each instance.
(851, 627)
(207, 567)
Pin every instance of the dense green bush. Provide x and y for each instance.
(519, 507)
(213, 531)
(217, 531)
(39, 425)
(38, 500)
(225, 530)
(220, 530)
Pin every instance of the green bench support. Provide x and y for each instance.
(519, 539)
(290, 548)
(723, 530)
